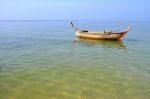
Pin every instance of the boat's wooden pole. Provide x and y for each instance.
(73, 26)
(128, 28)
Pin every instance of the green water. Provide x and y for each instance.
(44, 60)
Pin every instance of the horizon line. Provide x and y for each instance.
(42, 20)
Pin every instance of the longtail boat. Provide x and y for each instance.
(111, 35)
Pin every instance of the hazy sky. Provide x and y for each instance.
(74, 9)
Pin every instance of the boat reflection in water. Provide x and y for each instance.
(103, 43)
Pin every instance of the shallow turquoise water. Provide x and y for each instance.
(44, 60)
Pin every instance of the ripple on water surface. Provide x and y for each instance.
(37, 63)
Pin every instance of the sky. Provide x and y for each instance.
(74, 9)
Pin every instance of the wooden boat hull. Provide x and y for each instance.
(100, 35)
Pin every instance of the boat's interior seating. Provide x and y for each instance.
(81, 30)
(84, 31)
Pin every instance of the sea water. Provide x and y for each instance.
(45, 60)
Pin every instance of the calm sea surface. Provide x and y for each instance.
(45, 60)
